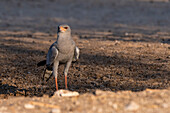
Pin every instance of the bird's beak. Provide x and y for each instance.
(62, 29)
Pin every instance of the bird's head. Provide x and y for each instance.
(64, 29)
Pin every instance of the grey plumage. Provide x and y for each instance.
(64, 50)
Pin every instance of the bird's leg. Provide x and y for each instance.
(56, 84)
(49, 77)
(44, 73)
(66, 71)
(66, 81)
(55, 73)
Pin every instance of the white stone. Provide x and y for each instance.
(164, 105)
(115, 106)
(132, 106)
(3, 108)
(55, 111)
(29, 106)
(66, 93)
(126, 34)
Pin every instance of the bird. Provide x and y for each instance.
(62, 51)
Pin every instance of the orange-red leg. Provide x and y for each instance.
(66, 81)
(56, 83)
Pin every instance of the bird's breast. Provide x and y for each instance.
(64, 57)
(65, 46)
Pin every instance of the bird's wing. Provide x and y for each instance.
(51, 55)
(76, 54)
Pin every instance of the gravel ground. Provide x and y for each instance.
(148, 101)
(124, 63)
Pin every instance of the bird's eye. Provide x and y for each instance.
(65, 27)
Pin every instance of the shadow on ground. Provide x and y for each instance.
(22, 77)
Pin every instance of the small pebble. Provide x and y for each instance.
(165, 105)
(55, 111)
(3, 108)
(99, 92)
(126, 34)
(115, 106)
(29, 106)
(132, 106)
